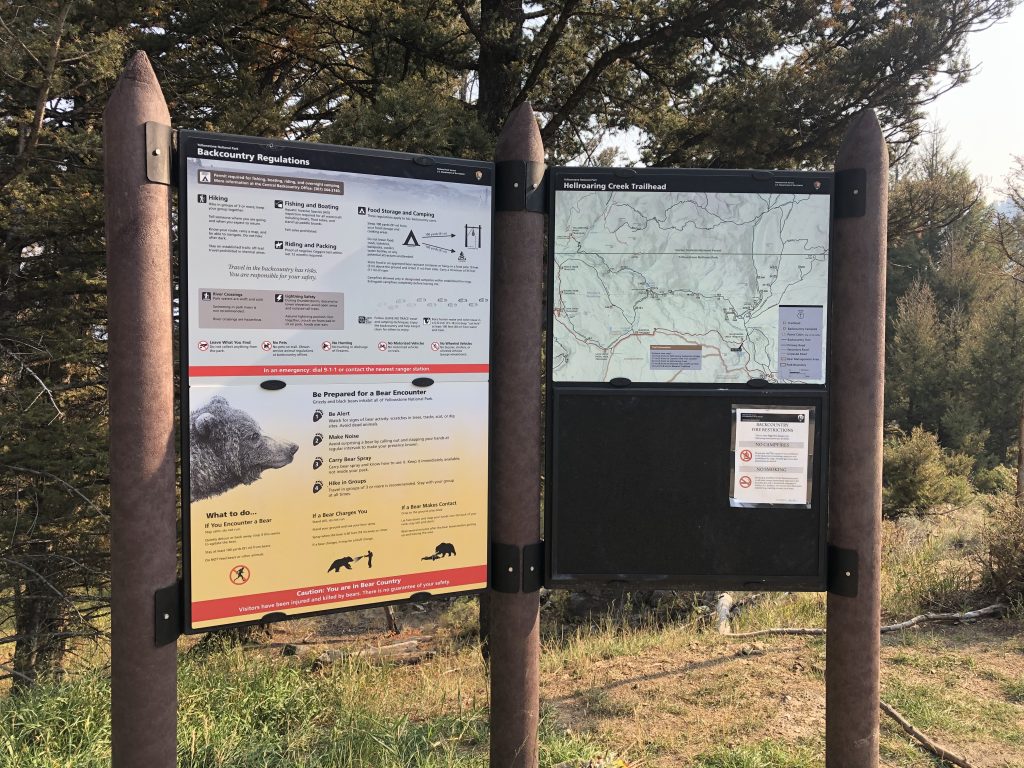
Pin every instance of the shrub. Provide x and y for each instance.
(999, 479)
(460, 623)
(1003, 565)
(919, 474)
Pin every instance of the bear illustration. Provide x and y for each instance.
(444, 549)
(228, 448)
(341, 562)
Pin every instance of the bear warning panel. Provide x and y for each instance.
(335, 308)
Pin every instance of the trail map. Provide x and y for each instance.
(695, 287)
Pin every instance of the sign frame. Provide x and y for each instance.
(369, 162)
(560, 534)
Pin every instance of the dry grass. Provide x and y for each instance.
(656, 695)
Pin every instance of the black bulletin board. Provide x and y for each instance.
(639, 495)
(640, 471)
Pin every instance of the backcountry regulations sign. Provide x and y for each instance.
(335, 314)
(772, 448)
(665, 276)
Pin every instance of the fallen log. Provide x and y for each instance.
(724, 609)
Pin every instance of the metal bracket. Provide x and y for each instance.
(168, 616)
(505, 567)
(842, 571)
(516, 570)
(159, 152)
(851, 193)
(520, 186)
(533, 566)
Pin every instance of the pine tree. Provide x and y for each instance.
(706, 84)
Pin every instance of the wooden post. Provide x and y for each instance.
(518, 305)
(855, 503)
(141, 383)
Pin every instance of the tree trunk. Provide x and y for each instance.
(39, 619)
(501, 35)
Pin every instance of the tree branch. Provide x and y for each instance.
(939, 751)
(42, 97)
(44, 389)
(662, 34)
(992, 610)
(541, 62)
(471, 25)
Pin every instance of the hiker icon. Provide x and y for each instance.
(240, 574)
(346, 562)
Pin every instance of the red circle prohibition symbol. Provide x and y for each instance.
(746, 455)
(745, 481)
(240, 574)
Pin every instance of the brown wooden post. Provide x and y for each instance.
(855, 496)
(517, 322)
(141, 383)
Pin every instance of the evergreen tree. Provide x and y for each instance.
(56, 64)
(707, 84)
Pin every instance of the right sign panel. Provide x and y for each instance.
(687, 379)
(689, 277)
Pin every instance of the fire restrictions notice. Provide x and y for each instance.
(772, 456)
(335, 309)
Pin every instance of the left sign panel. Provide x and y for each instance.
(318, 283)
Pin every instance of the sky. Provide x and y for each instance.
(985, 117)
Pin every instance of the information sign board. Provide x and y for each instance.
(668, 276)
(335, 308)
(688, 378)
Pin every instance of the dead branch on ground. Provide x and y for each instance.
(936, 749)
(981, 613)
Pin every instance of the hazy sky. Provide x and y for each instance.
(985, 117)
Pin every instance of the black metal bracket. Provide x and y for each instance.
(516, 570)
(851, 193)
(842, 571)
(168, 614)
(160, 153)
(520, 186)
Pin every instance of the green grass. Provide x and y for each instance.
(242, 710)
(767, 754)
(796, 609)
(933, 706)
(1013, 690)
(657, 692)
(58, 724)
(930, 564)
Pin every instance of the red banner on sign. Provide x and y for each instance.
(307, 599)
(195, 371)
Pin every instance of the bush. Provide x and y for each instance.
(460, 623)
(918, 474)
(1003, 572)
(999, 479)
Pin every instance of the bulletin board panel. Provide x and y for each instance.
(641, 488)
(335, 333)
